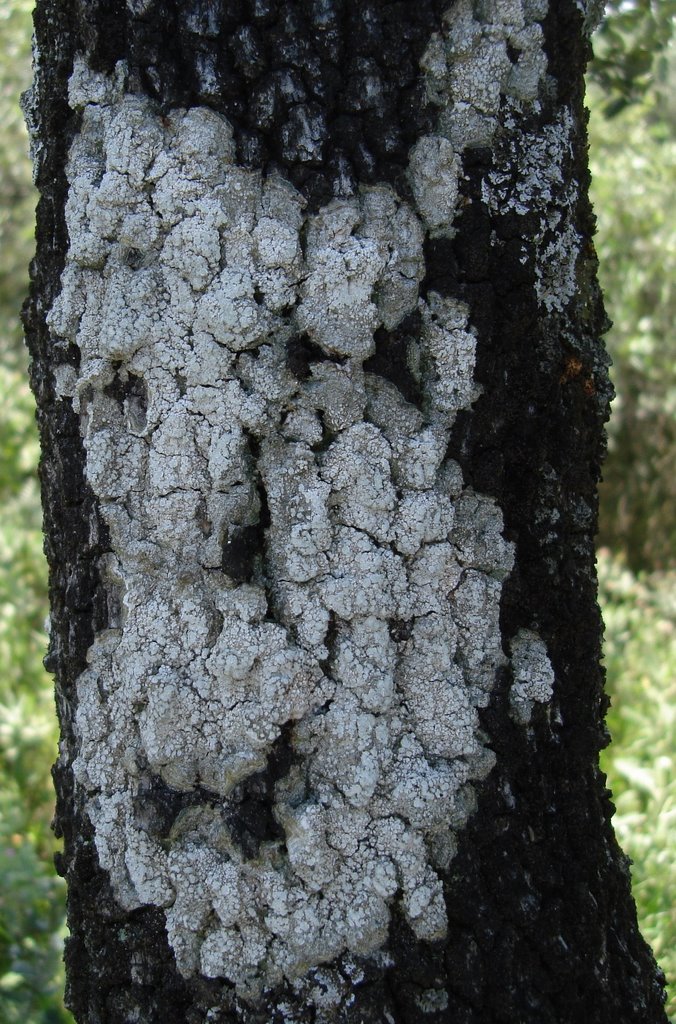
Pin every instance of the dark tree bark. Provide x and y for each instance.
(412, 395)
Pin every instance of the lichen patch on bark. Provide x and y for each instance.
(292, 551)
(533, 675)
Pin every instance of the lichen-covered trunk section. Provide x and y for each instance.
(315, 335)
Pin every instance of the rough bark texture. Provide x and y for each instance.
(333, 97)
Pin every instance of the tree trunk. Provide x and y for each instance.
(315, 335)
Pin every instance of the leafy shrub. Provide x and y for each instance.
(17, 197)
(31, 896)
(640, 657)
(629, 49)
(633, 162)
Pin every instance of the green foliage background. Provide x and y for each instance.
(31, 896)
(633, 152)
(632, 96)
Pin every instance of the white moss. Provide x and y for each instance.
(177, 297)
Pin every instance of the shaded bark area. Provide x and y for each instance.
(541, 892)
(350, 72)
(542, 925)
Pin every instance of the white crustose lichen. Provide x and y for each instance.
(533, 675)
(369, 631)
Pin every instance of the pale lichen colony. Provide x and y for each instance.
(369, 631)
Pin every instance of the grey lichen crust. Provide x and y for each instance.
(533, 675)
(367, 629)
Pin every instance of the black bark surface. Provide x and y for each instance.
(542, 924)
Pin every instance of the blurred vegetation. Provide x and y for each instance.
(17, 199)
(629, 51)
(633, 162)
(640, 617)
(633, 137)
(632, 97)
(31, 896)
